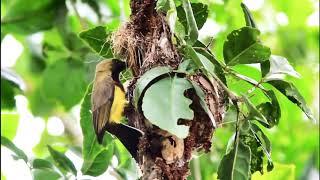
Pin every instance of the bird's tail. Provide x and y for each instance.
(129, 136)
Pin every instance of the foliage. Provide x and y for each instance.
(58, 70)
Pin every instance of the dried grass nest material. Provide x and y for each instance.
(125, 43)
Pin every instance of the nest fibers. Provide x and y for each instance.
(128, 45)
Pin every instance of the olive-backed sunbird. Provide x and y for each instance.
(107, 105)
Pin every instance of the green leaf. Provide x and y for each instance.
(11, 84)
(62, 161)
(279, 66)
(271, 110)
(163, 5)
(187, 66)
(101, 162)
(98, 39)
(26, 16)
(41, 105)
(65, 82)
(254, 113)
(192, 25)
(164, 103)
(292, 93)
(41, 164)
(200, 60)
(9, 124)
(19, 154)
(263, 140)
(236, 164)
(230, 115)
(244, 47)
(190, 53)
(40, 174)
(172, 16)
(206, 63)
(257, 153)
(200, 14)
(13, 77)
(247, 15)
(146, 80)
(217, 64)
(265, 67)
(203, 103)
(180, 32)
(122, 154)
(96, 157)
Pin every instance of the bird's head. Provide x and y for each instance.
(111, 67)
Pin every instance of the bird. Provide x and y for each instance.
(108, 103)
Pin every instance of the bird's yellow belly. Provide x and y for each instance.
(118, 105)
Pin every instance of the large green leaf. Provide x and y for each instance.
(9, 124)
(62, 161)
(146, 79)
(40, 174)
(65, 82)
(98, 40)
(236, 164)
(278, 66)
(292, 93)
(244, 47)
(41, 164)
(27, 16)
(200, 12)
(19, 154)
(164, 103)
(96, 157)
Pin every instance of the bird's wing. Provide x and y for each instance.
(101, 102)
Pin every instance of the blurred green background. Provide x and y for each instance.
(45, 69)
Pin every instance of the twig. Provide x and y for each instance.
(209, 44)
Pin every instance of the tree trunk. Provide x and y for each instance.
(145, 42)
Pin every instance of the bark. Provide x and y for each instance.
(145, 42)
